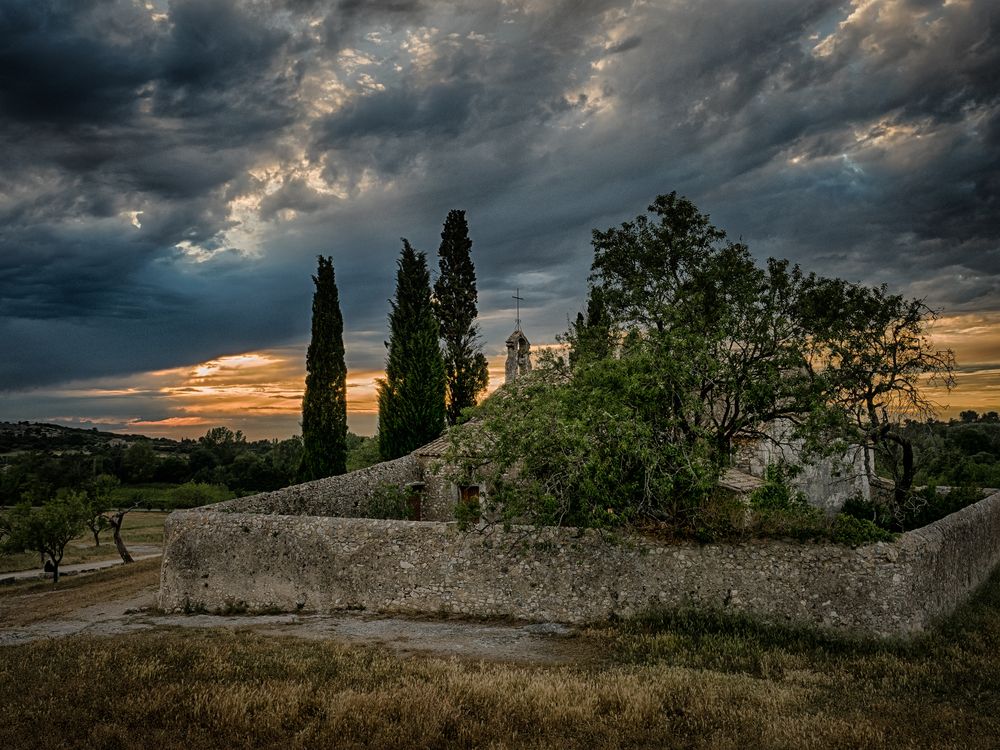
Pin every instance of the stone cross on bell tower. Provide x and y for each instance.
(518, 347)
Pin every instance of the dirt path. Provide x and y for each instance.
(41, 602)
(139, 552)
(123, 600)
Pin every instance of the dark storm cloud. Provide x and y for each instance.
(345, 16)
(57, 67)
(441, 109)
(171, 169)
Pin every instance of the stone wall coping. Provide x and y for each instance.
(917, 541)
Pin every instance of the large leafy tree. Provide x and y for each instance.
(871, 353)
(455, 300)
(324, 406)
(687, 348)
(587, 445)
(722, 332)
(411, 397)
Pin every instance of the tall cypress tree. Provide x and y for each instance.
(324, 406)
(591, 336)
(411, 397)
(455, 300)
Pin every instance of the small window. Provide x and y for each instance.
(469, 494)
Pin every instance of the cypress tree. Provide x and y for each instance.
(411, 396)
(455, 300)
(591, 335)
(324, 406)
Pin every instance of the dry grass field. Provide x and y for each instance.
(680, 681)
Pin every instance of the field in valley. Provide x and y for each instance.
(141, 530)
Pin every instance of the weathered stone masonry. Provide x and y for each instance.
(242, 555)
(345, 495)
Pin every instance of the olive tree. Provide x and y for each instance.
(99, 491)
(871, 354)
(721, 332)
(49, 528)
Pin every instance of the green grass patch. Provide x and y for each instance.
(169, 497)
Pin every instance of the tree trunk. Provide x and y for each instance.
(55, 570)
(116, 524)
(905, 481)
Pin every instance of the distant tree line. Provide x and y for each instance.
(221, 457)
(958, 453)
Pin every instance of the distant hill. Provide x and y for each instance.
(23, 436)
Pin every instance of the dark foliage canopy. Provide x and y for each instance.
(411, 397)
(324, 406)
(455, 300)
(689, 348)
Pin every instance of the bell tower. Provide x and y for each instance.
(518, 348)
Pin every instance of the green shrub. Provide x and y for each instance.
(930, 504)
(857, 531)
(775, 514)
(390, 501)
(867, 510)
(193, 495)
(721, 516)
(797, 521)
(922, 507)
(777, 492)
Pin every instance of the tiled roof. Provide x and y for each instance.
(439, 446)
(739, 481)
(435, 448)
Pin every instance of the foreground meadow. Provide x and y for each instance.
(681, 681)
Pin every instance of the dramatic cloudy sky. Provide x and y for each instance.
(170, 169)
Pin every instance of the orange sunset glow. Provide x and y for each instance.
(260, 392)
(242, 390)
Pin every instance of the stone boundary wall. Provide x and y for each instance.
(215, 561)
(954, 556)
(346, 495)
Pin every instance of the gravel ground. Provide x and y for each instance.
(126, 603)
